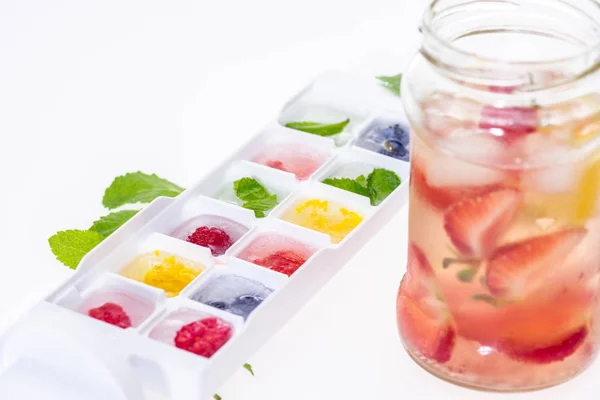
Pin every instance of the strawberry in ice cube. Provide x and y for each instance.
(111, 313)
(217, 240)
(203, 337)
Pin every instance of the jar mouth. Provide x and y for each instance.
(441, 29)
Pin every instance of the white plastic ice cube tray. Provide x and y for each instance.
(66, 354)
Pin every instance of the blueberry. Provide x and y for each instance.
(402, 134)
(394, 146)
(248, 300)
(221, 305)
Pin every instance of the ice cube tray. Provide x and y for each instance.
(140, 361)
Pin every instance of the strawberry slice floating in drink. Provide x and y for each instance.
(422, 315)
(519, 268)
(475, 224)
(548, 352)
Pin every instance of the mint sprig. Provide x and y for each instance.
(138, 187)
(391, 83)
(377, 186)
(255, 196)
(381, 183)
(318, 128)
(111, 222)
(351, 185)
(71, 246)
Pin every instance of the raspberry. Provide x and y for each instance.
(277, 165)
(217, 240)
(286, 262)
(203, 337)
(111, 313)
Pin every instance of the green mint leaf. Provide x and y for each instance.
(259, 206)
(362, 181)
(392, 83)
(217, 397)
(249, 368)
(70, 246)
(348, 184)
(486, 298)
(317, 128)
(255, 196)
(249, 189)
(381, 183)
(467, 274)
(109, 223)
(138, 187)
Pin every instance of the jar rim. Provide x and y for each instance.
(442, 44)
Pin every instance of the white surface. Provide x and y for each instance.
(90, 90)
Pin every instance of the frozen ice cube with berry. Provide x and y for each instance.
(233, 293)
(391, 140)
(212, 231)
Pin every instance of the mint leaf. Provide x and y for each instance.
(381, 183)
(217, 397)
(348, 184)
(392, 83)
(111, 222)
(486, 298)
(362, 181)
(259, 206)
(255, 196)
(249, 368)
(317, 128)
(249, 189)
(467, 274)
(70, 246)
(138, 187)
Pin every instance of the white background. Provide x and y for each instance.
(92, 90)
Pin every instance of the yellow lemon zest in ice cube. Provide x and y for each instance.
(156, 253)
(588, 191)
(171, 276)
(320, 216)
(315, 204)
(349, 221)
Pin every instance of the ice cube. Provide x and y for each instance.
(163, 270)
(218, 242)
(328, 217)
(136, 308)
(228, 194)
(303, 112)
(392, 141)
(298, 159)
(447, 115)
(279, 253)
(447, 172)
(193, 331)
(233, 293)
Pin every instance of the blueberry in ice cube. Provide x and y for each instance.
(233, 293)
(221, 305)
(245, 304)
(392, 141)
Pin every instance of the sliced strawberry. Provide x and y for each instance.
(510, 122)
(474, 225)
(420, 279)
(547, 353)
(431, 335)
(444, 182)
(423, 318)
(518, 268)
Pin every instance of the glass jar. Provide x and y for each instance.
(501, 287)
